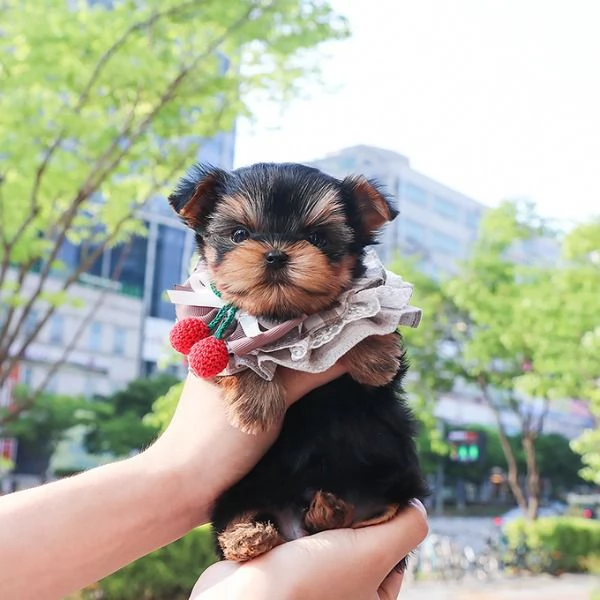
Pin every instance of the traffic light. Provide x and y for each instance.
(465, 446)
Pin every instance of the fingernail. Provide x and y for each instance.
(418, 505)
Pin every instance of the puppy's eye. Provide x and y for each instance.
(318, 240)
(239, 235)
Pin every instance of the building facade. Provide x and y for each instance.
(436, 224)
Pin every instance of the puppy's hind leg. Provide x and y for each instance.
(327, 511)
(247, 537)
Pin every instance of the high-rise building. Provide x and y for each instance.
(436, 223)
(127, 335)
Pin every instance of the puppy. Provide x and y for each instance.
(282, 241)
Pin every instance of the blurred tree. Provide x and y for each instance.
(41, 427)
(524, 326)
(558, 464)
(102, 105)
(116, 423)
(579, 344)
(495, 292)
(432, 369)
(163, 408)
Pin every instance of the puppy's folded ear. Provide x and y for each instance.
(373, 204)
(197, 193)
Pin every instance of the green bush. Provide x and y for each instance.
(554, 545)
(167, 574)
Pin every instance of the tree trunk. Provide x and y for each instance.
(509, 455)
(533, 475)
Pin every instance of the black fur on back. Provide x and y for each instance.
(340, 438)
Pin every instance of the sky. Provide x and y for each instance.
(497, 99)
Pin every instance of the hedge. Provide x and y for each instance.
(554, 545)
(167, 574)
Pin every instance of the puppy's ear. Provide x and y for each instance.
(197, 193)
(373, 204)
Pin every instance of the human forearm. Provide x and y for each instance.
(65, 535)
(62, 536)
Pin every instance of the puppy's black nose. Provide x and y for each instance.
(276, 259)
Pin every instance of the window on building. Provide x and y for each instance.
(57, 329)
(446, 244)
(128, 265)
(413, 230)
(445, 207)
(119, 339)
(31, 322)
(95, 339)
(27, 376)
(431, 269)
(472, 219)
(52, 384)
(167, 269)
(414, 193)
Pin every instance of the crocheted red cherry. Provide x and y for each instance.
(208, 357)
(186, 333)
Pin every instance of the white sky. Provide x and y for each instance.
(495, 98)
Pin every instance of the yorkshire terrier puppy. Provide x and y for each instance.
(281, 241)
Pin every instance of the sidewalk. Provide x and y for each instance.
(567, 587)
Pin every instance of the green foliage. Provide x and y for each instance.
(104, 104)
(432, 372)
(163, 408)
(46, 423)
(117, 425)
(42, 426)
(166, 574)
(555, 544)
(6, 466)
(557, 461)
(528, 324)
(123, 87)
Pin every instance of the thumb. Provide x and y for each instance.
(374, 550)
(383, 546)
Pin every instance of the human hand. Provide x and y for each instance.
(205, 452)
(345, 564)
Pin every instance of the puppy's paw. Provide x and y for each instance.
(247, 539)
(376, 360)
(383, 515)
(327, 511)
(253, 404)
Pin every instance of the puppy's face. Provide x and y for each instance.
(280, 240)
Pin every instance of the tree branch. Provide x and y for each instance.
(8, 363)
(29, 401)
(85, 94)
(511, 461)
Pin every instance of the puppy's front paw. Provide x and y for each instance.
(376, 360)
(253, 404)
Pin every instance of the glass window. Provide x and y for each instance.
(95, 339)
(68, 254)
(415, 193)
(472, 219)
(414, 230)
(120, 336)
(167, 269)
(445, 207)
(27, 376)
(57, 329)
(128, 263)
(30, 323)
(446, 244)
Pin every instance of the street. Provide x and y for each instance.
(566, 587)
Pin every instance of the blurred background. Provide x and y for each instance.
(480, 118)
